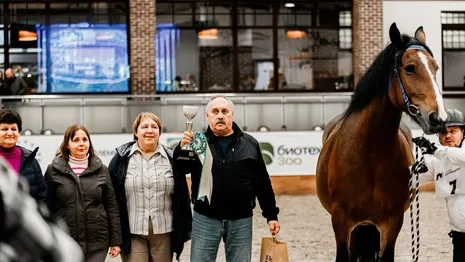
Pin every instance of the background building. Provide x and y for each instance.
(289, 64)
(143, 46)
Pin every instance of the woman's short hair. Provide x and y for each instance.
(8, 116)
(139, 119)
(63, 150)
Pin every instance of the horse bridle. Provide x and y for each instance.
(412, 109)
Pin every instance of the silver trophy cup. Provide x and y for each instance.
(187, 153)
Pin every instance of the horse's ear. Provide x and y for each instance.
(394, 35)
(420, 34)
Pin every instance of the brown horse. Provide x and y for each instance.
(363, 168)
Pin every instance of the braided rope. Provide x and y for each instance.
(415, 219)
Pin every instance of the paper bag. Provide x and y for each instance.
(273, 250)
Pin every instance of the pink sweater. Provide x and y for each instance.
(13, 157)
(78, 165)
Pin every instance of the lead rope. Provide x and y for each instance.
(415, 225)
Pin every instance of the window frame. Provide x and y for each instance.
(274, 6)
(450, 27)
(48, 12)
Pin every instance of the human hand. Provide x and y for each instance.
(426, 146)
(114, 251)
(187, 138)
(419, 167)
(274, 226)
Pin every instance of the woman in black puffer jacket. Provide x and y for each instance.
(81, 192)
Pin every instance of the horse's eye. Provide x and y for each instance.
(410, 69)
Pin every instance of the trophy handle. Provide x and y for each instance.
(189, 125)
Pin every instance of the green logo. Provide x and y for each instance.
(267, 152)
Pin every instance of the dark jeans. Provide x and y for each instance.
(458, 240)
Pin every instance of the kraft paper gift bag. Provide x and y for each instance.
(273, 250)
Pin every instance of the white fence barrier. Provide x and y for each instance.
(285, 153)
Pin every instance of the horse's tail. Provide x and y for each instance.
(365, 244)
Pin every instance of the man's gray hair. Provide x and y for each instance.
(219, 96)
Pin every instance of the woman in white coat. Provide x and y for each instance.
(445, 165)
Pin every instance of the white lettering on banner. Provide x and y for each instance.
(284, 153)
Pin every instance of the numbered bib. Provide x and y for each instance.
(450, 182)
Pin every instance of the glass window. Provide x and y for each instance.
(309, 49)
(193, 47)
(186, 63)
(345, 38)
(453, 39)
(258, 14)
(453, 44)
(345, 18)
(314, 62)
(255, 57)
(295, 15)
(88, 49)
(452, 18)
(454, 71)
(24, 42)
(84, 49)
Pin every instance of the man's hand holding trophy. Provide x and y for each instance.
(193, 143)
(187, 152)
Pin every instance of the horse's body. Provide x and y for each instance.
(367, 156)
(363, 168)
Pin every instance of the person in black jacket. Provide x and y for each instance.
(239, 175)
(15, 85)
(22, 160)
(153, 196)
(81, 193)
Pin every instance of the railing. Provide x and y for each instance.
(125, 101)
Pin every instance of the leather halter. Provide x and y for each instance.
(412, 109)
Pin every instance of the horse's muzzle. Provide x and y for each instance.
(436, 124)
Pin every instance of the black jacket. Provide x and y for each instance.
(238, 177)
(182, 214)
(16, 86)
(30, 169)
(87, 203)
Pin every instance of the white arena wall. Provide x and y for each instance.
(286, 153)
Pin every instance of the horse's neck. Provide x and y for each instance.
(381, 118)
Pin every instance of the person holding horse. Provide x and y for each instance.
(445, 165)
(237, 174)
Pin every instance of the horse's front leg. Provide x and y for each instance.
(342, 228)
(389, 232)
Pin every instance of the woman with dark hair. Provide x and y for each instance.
(81, 192)
(22, 160)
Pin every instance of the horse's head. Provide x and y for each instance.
(413, 87)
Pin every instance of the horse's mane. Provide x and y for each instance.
(375, 81)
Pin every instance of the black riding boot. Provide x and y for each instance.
(458, 240)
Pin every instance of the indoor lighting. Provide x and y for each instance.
(295, 33)
(27, 132)
(289, 5)
(27, 35)
(47, 132)
(263, 129)
(211, 33)
(105, 36)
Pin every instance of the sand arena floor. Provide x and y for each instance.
(306, 227)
